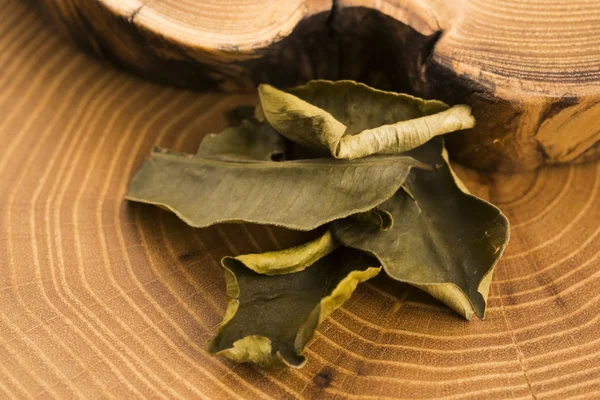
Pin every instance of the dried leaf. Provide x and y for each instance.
(286, 261)
(270, 319)
(376, 217)
(226, 183)
(352, 120)
(249, 141)
(444, 241)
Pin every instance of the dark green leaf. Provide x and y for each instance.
(444, 241)
(270, 319)
(300, 195)
(249, 141)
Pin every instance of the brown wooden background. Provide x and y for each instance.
(102, 299)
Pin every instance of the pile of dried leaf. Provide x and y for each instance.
(364, 166)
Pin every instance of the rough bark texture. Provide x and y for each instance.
(529, 69)
(104, 299)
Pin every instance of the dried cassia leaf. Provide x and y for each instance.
(249, 141)
(290, 260)
(227, 183)
(352, 120)
(270, 319)
(397, 204)
(444, 241)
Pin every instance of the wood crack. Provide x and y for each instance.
(332, 14)
(137, 11)
(520, 355)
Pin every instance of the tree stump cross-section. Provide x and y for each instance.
(530, 69)
(100, 298)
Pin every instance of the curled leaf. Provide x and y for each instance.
(290, 260)
(302, 194)
(352, 120)
(270, 319)
(445, 241)
(376, 217)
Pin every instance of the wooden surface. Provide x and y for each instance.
(101, 299)
(529, 68)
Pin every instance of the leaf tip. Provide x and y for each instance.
(266, 89)
(254, 349)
